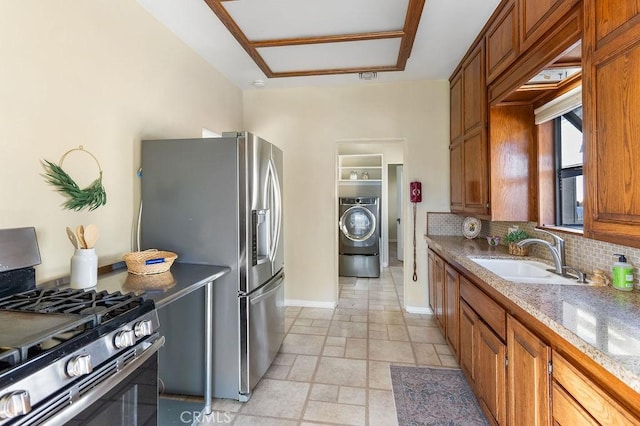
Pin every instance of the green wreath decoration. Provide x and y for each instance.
(91, 197)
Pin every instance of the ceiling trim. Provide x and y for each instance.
(407, 36)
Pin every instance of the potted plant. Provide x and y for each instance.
(512, 238)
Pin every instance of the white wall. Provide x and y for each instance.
(306, 123)
(102, 74)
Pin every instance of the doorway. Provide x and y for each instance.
(395, 215)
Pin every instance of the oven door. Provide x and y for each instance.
(127, 398)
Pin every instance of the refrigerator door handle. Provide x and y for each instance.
(268, 293)
(275, 200)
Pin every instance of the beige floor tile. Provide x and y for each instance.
(303, 344)
(284, 359)
(382, 408)
(288, 322)
(318, 331)
(426, 354)
(278, 372)
(379, 375)
(350, 395)
(398, 332)
(359, 318)
(393, 351)
(303, 368)
(341, 317)
(342, 371)
(378, 327)
(380, 335)
(425, 335)
(303, 322)
(335, 413)
(277, 398)
(335, 351)
(336, 341)
(242, 420)
(348, 329)
(316, 313)
(321, 323)
(226, 405)
(356, 348)
(386, 317)
(448, 361)
(326, 393)
(443, 349)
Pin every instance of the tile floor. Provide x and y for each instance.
(333, 368)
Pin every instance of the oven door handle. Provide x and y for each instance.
(108, 384)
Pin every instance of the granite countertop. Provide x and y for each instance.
(180, 280)
(602, 322)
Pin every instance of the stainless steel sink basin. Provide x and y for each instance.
(524, 271)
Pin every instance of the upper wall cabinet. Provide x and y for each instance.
(611, 89)
(502, 40)
(537, 17)
(468, 149)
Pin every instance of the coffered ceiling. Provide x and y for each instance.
(285, 43)
(323, 37)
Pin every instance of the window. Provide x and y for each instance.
(568, 148)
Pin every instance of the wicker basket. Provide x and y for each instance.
(137, 261)
(518, 251)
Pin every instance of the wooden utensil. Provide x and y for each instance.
(91, 235)
(80, 232)
(72, 238)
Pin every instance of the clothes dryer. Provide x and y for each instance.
(359, 234)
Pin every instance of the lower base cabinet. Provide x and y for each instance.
(518, 378)
(490, 374)
(529, 376)
(577, 400)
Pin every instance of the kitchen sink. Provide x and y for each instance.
(524, 271)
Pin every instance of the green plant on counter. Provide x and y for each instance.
(515, 236)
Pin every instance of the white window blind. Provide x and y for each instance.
(560, 105)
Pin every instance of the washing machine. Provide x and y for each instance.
(359, 234)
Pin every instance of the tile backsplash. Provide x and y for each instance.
(581, 253)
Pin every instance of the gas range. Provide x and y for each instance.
(64, 351)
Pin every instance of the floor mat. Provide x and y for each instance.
(434, 396)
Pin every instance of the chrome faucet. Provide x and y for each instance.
(558, 254)
(556, 249)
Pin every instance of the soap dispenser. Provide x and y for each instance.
(622, 274)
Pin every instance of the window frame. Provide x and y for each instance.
(567, 172)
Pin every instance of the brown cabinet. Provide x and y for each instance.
(456, 171)
(528, 372)
(490, 374)
(468, 321)
(537, 17)
(452, 303)
(436, 288)
(474, 90)
(431, 268)
(516, 376)
(482, 349)
(611, 89)
(468, 148)
(578, 400)
(502, 40)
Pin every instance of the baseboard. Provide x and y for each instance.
(309, 303)
(418, 310)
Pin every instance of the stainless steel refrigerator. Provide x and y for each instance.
(219, 201)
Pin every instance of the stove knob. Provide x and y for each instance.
(15, 404)
(124, 339)
(143, 328)
(79, 366)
